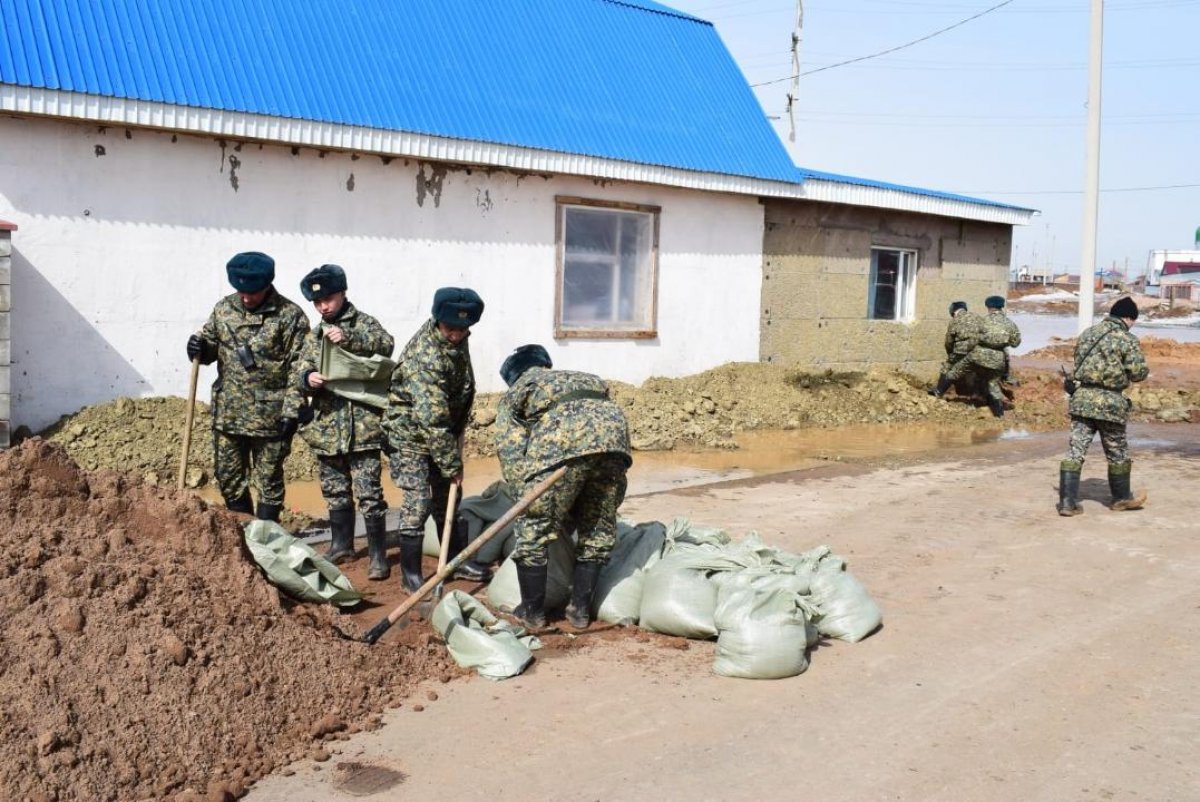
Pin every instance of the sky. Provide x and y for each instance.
(994, 108)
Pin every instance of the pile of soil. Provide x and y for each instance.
(705, 411)
(144, 655)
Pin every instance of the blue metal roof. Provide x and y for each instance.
(630, 80)
(804, 173)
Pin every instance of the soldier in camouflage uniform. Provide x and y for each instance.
(255, 336)
(345, 435)
(546, 419)
(988, 358)
(1108, 358)
(962, 335)
(429, 404)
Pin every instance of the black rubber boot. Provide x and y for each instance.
(377, 565)
(997, 407)
(470, 570)
(532, 609)
(268, 512)
(943, 386)
(1068, 492)
(243, 505)
(583, 587)
(341, 542)
(1119, 477)
(411, 577)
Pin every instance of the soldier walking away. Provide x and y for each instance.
(988, 357)
(1108, 358)
(345, 434)
(546, 419)
(255, 336)
(962, 335)
(429, 404)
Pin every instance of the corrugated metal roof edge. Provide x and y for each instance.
(933, 193)
(809, 184)
(658, 8)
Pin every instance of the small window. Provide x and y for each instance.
(607, 269)
(892, 292)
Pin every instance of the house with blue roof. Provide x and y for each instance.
(598, 170)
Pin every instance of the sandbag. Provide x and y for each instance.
(293, 566)
(678, 599)
(505, 594)
(846, 610)
(480, 512)
(618, 597)
(478, 639)
(763, 635)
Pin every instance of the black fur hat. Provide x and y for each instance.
(954, 307)
(521, 360)
(1124, 307)
(250, 271)
(994, 302)
(323, 281)
(460, 307)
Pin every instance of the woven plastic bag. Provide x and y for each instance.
(478, 639)
(618, 598)
(763, 635)
(846, 611)
(295, 567)
(678, 599)
(504, 593)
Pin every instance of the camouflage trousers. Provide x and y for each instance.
(425, 490)
(585, 499)
(1112, 438)
(346, 477)
(965, 369)
(239, 461)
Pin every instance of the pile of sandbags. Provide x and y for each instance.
(764, 606)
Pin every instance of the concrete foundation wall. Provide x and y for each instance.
(125, 234)
(816, 271)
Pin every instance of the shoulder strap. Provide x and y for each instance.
(1092, 348)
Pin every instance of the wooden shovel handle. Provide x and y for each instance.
(448, 526)
(187, 426)
(535, 492)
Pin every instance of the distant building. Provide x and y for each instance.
(1158, 260)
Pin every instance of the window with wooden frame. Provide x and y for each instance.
(607, 273)
(892, 288)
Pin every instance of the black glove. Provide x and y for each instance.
(306, 414)
(197, 346)
(287, 427)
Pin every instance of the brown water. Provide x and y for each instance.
(760, 453)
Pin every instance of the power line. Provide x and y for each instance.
(892, 49)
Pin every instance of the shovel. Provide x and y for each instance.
(187, 426)
(444, 550)
(535, 492)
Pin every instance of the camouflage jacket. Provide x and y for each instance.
(251, 401)
(429, 401)
(996, 333)
(1108, 358)
(339, 425)
(551, 416)
(962, 335)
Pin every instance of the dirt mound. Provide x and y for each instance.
(706, 410)
(145, 656)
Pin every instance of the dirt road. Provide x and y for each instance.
(1023, 656)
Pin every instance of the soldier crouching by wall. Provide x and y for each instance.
(255, 336)
(1108, 358)
(988, 356)
(546, 419)
(962, 335)
(345, 434)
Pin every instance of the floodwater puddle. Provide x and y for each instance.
(760, 453)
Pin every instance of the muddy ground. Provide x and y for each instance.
(707, 410)
(1022, 656)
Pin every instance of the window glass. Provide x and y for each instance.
(608, 271)
(891, 292)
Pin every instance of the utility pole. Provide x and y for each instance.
(1091, 192)
(794, 92)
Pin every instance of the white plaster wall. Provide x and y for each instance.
(124, 235)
